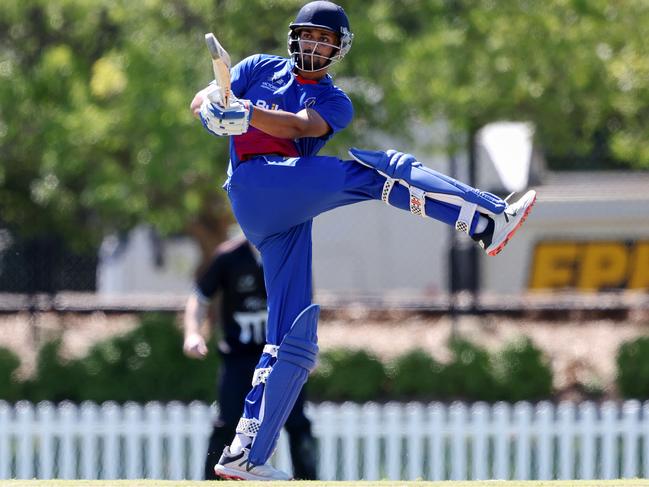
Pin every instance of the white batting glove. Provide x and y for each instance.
(220, 121)
(194, 346)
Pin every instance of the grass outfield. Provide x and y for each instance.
(383, 483)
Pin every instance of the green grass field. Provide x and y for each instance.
(383, 483)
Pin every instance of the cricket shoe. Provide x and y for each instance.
(502, 227)
(237, 467)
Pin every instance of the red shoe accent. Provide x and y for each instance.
(497, 250)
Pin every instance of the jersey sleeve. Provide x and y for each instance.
(336, 110)
(241, 75)
(213, 278)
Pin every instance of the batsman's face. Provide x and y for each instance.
(316, 47)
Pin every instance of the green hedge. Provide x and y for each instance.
(522, 373)
(10, 388)
(148, 364)
(416, 375)
(517, 373)
(347, 375)
(633, 369)
(469, 376)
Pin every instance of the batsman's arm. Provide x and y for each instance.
(287, 125)
(278, 123)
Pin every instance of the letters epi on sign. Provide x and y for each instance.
(590, 265)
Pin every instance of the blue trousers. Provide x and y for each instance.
(275, 199)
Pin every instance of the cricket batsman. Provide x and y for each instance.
(280, 113)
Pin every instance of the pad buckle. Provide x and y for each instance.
(417, 201)
(248, 426)
(387, 188)
(260, 376)
(271, 349)
(465, 218)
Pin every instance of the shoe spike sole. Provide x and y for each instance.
(497, 250)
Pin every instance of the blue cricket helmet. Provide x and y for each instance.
(326, 15)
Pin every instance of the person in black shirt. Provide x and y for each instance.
(236, 274)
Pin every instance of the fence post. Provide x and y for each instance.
(175, 412)
(480, 430)
(522, 422)
(110, 414)
(328, 434)
(565, 422)
(371, 434)
(68, 416)
(437, 434)
(350, 433)
(458, 420)
(200, 426)
(132, 450)
(89, 441)
(588, 426)
(631, 426)
(281, 459)
(25, 432)
(46, 419)
(5, 452)
(501, 413)
(609, 440)
(544, 426)
(153, 422)
(393, 437)
(415, 430)
(645, 440)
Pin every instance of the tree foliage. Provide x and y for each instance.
(575, 68)
(95, 134)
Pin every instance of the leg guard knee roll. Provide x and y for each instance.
(296, 357)
(299, 352)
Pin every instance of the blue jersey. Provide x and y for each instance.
(269, 82)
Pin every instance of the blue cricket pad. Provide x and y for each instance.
(296, 357)
(405, 167)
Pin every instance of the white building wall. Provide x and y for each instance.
(572, 206)
(372, 249)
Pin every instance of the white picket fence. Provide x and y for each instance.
(372, 441)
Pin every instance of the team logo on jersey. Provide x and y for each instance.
(254, 303)
(309, 102)
(246, 283)
(278, 80)
(273, 84)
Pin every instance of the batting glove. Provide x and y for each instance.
(220, 121)
(213, 93)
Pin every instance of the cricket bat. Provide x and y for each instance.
(221, 65)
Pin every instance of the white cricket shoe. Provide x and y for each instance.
(506, 224)
(237, 467)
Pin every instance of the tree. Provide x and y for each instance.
(575, 68)
(95, 129)
(96, 136)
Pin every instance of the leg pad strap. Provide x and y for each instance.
(423, 182)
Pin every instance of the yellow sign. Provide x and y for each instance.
(591, 266)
